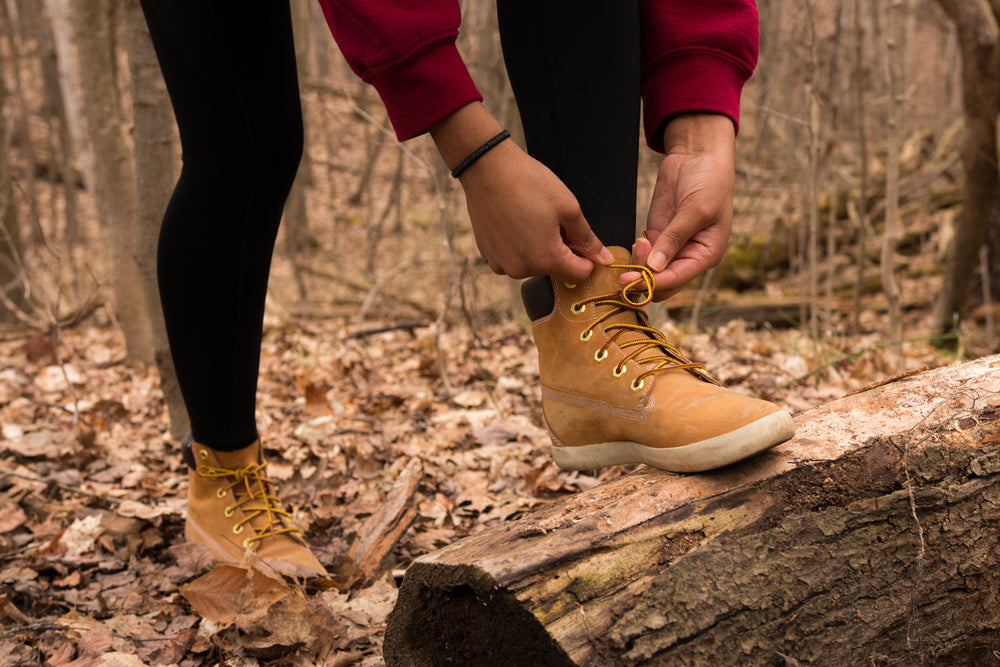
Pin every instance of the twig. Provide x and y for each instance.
(408, 325)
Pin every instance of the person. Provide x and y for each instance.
(562, 214)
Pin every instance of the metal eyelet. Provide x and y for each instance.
(576, 308)
(238, 529)
(228, 512)
(569, 285)
(246, 543)
(203, 453)
(619, 371)
(637, 385)
(221, 493)
(585, 335)
(600, 355)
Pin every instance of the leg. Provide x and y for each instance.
(613, 389)
(232, 81)
(575, 70)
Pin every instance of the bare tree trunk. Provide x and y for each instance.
(153, 134)
(979, 43)
(296, 218)
(83, 37)
(860, 81)
(12, 22)
(893, 31)
(63, 152)
(815, 150)
(10, 233)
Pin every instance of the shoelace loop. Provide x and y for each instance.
(635, 296)
(248, 485)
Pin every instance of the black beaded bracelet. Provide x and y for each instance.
(478, 153)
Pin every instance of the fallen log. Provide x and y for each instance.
(871, 537)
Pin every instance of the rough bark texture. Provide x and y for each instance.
(979, 41)
(153, 136)
(870, 538)
(83, 38)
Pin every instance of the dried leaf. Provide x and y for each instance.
(131, 508)
(11, 517)
(226, 591)
(79, 538)
(45, 443)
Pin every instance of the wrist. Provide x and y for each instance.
(461, 133)
(698, 133)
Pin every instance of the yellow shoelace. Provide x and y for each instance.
(249, 485)
(635, 296)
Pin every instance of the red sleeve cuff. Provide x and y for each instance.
(689, 82)
(419, 92)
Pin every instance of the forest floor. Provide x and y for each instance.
(382, 364)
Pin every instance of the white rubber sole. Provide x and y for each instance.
(709, 454)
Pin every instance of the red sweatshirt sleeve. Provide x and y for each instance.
(696, 56)
(406, 49)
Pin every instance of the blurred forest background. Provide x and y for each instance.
(865, 244)
(867, 180)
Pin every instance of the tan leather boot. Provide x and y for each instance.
(614, 391)
(232, 507)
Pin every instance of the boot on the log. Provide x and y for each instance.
(232, 507)
(615, 391)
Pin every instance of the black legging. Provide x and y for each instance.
(232, 82)
(574, 66)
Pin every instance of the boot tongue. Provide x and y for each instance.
(604, 279)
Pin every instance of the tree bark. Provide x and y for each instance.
(83, 37)
(153, 134)
(869, 538)
(979, 43)
(11, 246)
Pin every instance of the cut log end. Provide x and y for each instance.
(459, 615)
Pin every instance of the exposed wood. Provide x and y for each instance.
(380, 532)
(871, 535)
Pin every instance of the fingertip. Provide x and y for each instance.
(628, 277)
(657, 261)
(605, 257)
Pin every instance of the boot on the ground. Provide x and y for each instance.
(232, 507)
(615, 391)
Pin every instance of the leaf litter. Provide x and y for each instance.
(378, 461)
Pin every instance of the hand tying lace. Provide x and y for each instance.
(634, 297)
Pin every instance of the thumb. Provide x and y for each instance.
(669, 241)
(582, 239)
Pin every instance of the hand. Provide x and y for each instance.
(691, 211)
(525, 220)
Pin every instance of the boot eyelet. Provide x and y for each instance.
(203, 453)
(569, 285)
(600, 355)
(246, 543)
(238, 529)
(228, 512)
(637, 384)
(576, 308)
(585, 335)
(619, 371)
(221, 493)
